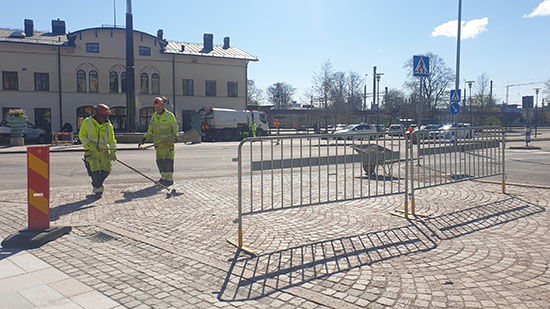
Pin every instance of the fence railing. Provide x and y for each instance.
(284, 172)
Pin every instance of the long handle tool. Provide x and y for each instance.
(171, 192)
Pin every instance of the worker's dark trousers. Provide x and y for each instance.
(98, 177)
(166, 168)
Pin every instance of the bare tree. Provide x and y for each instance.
(482, 89)
(355, 85)
(435, 85)
(547, 86)
(280, 94)
(254, 94)
(322, 84)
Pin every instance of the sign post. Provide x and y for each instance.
(421, 69)
(455, 103)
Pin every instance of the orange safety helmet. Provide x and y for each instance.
(157, 101)
(102, 109)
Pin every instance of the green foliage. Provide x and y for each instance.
(17, 113)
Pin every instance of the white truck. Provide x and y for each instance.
(224, 124)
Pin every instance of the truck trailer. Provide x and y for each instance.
(224, 124)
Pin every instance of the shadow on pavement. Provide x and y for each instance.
(477, 218)
(260, 276)
(7, 252)
(268, 273)
(57, 212)
(142, 193)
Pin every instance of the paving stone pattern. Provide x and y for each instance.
(477, 248)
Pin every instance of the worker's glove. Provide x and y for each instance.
(113, 156)
(141, 142)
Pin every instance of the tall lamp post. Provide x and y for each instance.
(470, 82)
(536, 105)
(378, 76)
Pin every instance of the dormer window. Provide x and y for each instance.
(92, 47)
(144, 51)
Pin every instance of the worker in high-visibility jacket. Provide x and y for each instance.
(98, 138)
(254, 127)
(163, 127)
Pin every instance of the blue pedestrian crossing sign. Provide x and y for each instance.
(455, 96)
(421, 66)
(454, 108)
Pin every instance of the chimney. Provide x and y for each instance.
(29, 28)
(226, 42)
(182, 48)
(58, 26)
(208, 42)
(160, 34)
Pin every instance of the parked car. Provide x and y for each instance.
(356, 129)
(424, 132)
(461, 131)
(30, 132)
(396, 129)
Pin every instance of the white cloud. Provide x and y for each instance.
(542, 10)
(469, 30)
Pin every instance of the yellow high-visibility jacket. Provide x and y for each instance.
(98, 139)
(163, 128)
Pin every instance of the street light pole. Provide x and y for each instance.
(470, 82)
(378, 75)
(457, 78)
(536, 105)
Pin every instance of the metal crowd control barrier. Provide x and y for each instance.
(293, 171)
(57, 141)
(442, 156)
(284, 172)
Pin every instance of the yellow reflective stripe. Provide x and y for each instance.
(164, 127)
(36, 164)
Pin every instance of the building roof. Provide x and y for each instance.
(41, 38)
(218, 51)
(172, 47)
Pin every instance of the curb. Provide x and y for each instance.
(514, 184)
(60, 150)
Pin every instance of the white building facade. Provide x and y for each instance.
(58, 78)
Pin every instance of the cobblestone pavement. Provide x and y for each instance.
(477, 248)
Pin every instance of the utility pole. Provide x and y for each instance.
(373, 88)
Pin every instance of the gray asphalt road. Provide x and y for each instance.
(215, 160)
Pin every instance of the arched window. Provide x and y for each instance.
(155, 83)
(81, 113)
(144, 117)
(123, 81)
(118, 118)
(113, 82)
(144, 83)
(94, 81)
(80, 81)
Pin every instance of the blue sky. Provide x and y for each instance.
(507, 39)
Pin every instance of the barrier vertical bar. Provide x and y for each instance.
(412, 167)
(406, 206)
(503, 162)
(38, 187)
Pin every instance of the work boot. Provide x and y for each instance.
(98, 191)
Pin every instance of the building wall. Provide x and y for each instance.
(26, 59)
